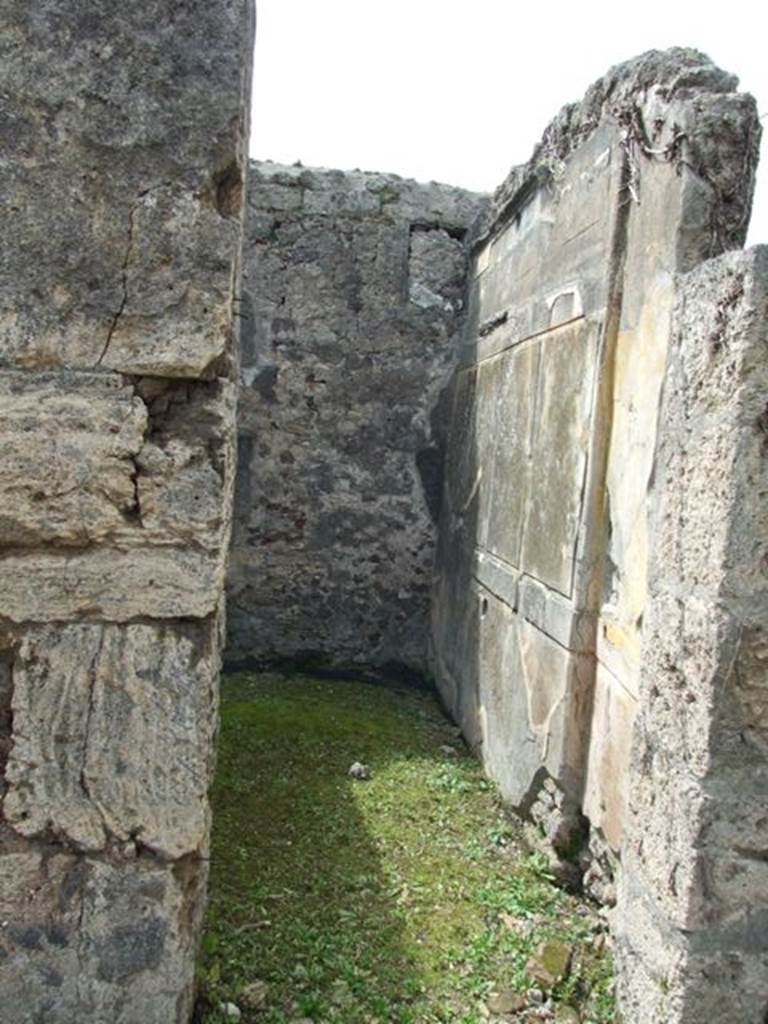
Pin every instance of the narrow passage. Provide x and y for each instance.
(404, 897)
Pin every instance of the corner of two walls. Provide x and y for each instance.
(351, 299)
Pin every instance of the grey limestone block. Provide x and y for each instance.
(67, 454)
(112, 736)
(103, 938)
(123, 143)
(91, 459)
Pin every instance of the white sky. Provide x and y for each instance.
(460, 90)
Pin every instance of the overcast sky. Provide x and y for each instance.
(460, 90)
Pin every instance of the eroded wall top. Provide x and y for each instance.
(651, 101)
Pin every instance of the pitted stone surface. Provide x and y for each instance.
(107, 940)
(110, 586)
(117, 496)
(88, 459)
(694, 872)
(123, 135)
(113, 732)
(66, 458)
(351, 298)
(662, 79)
(132, 251)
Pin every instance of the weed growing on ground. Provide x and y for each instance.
(406, 898)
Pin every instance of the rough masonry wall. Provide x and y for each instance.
(542, 567)
(123, 141)
(351, 297)
(692, 916)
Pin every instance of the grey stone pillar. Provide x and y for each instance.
(121, 179)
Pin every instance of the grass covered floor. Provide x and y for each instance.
(406, 898)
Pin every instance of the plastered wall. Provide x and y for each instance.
(546, 622)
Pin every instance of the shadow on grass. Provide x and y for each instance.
(404, 899)
(299, 897)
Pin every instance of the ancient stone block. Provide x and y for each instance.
(185, 469)
(87, 459)
(68, 446)
(694, 854)
(117, 496)
(110, 585)
(112, 736)
(103, 939)
(132, 250)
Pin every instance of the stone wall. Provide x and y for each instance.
(542, 580)
(692, 916)
(123, 141)
(590, 435)
(352, 292)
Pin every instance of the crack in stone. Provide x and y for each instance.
(124, 281)
(87, 731)
(135, 510)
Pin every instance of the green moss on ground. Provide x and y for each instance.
(404, 899)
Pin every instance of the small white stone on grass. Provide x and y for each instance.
(231, 1011)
